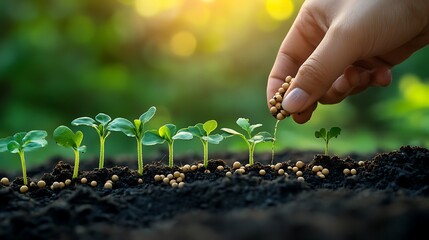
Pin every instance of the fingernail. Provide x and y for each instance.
(295, 100)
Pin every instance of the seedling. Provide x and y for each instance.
(250, 140)
(135, 130)
(202, 131)
(327, 135)
(24, 142)
(100, 124)
(167, 133)
(65, 137)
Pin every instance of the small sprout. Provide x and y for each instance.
(327, 135)
(41, 184)
(262, 172)
(115, 177)
(202, 131)
(100, 124)
(135, 129)
(299, 164)
(236, 165)
(108, 185)
(84, 180)
(65, 137)
(250, 140)
(24, 142)
(167, 133)
(23, 189)
(93, 183)
(5, 181)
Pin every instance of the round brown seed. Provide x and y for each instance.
(262, 172)
(176, 174)
(273, 110)
(67, 182)
(108, 185)
(83, 180)
(115, 177)
(5, 181)
(93, 183)
(23, 189)
(285, 85)
(272, 101)
(299, 164)
(140, 181)
(280, 116)
(181, 184)
(281, 90)
(41, 184)
(220, 168)
(236, 165)
(281, 172)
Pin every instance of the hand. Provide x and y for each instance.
(336, 48)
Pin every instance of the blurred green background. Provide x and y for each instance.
(194, 60)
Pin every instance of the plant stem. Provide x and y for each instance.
(170, 154)
(326, 147)
(76, 163)
(274, 142)
(101, 162)
(206, 153)
(24, 169)
(251, 153)
(139, 156)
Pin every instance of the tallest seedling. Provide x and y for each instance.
(134, 129)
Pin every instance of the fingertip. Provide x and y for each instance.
(304, 116)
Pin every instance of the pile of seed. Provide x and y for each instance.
(275, 102)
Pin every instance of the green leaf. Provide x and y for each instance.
(152, 137)
(196, 130)
(85, 121)
(253, 127)
(34, 135)
(244, 124)
(122, 125)
(334, 132)
(35, 144)
(167, 131)
(19, 137)
(13, 147)
(262, 137)
(81, 149)
(4, 142)
(145, 117)
(321, 133)
(209, 126)
(183, 136)
(65, 137)
(103, 118)
(214, 139)
(231, 131)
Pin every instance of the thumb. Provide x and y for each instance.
(316, 75)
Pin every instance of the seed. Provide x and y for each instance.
(83, 180)
(236, 165)
(240, 171)
(262, 172)
(115, 178)
(277, 166)
(41, 184)
(247, 165)
(200, 165)
(176, 174)
(157, 178)
(298, 173)
(288, 79)
(108, 185)
(174, 185)
(93, 183)
(166, 180)
(186, 168)
(140, 181)
(299, 164)
(32, 184)
(280, 116)
(285, 85)
(346, 171)
(295, 169)
(315, 169)
(220, 168)
(194, 167)
(272, 101)
(181, 184)
(109, 181)
(361, 163)
(170, 176)
(23, 189)
(173, 181)
(300, 179)
(325, 171)
(179, 179)
(282, 111)
(320, 174)
(62, 185)
(289, 167)
(5, 181)
(353, 171)
(278, 105)
(182, 175)
(281, 90)
(278, 98)
(55, 185)
(67, 182)
(281, 172)
(228, 174)
(206, 171)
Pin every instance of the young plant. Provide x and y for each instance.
(135, 130)
(202, 131)
(100, 124)
(65, 137)
(250, 140)
(167, 133)
(327, 135)
(24, 142)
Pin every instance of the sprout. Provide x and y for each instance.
(65, 137)
(250, 140)
(24, 142)
(166, 133)
(333, 132)
(202, 131)
(135, 130)
(100, 124)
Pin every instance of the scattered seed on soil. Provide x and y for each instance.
(220, 168)
(361, 163)
(157, 178)
(176, 174)
(200, 165)
(62, 185)
(301, 179)
(289, 168)
(5, 181)
(281, 172)
(298, 173)
(353, 171)
(174, 185)
(93, 183)
(140, 181)
(228, 174)
(321, 175)
(299, 164)
(346, 171)
(315, 169)
(41, 184)
(23, 189)
(84, 181)
(236, 165)
(166, 180)
(295, 169)
(182, 175)
(181, 184)
(194, 167)
(325, 171)
(109, 181)
(115, 178)
(277, 166)
(186, 168)
(262, 172)
(67, 182)
(108, 185)
(170, 176)
(55, 186)
(173, 181)
(33, 184)
(206, 171)
(179, 179)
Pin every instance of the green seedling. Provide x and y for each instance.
(65, 137)
(202, 131)
(250, 140)
(327, 135)
(135, 129)
(100, 124)
(167, 133)
(24, 142)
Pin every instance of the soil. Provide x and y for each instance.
(387, 198)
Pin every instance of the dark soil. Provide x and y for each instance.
(388, 198)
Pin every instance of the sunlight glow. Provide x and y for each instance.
(414, 90)
(280, 9)
(150, 8)
(183, 44)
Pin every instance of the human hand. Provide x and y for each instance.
(336, 48)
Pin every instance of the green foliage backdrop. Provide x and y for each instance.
(194, 60)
